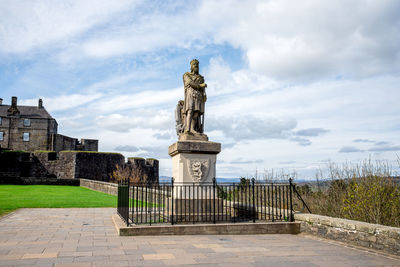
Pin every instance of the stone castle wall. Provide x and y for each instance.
(15, 164)
(76, 164)
(72, 165)
(90, 144)
(51, 164)
(62, 142)
(96, 166)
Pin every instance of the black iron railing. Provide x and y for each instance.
(205, 203)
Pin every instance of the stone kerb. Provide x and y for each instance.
(362, 234)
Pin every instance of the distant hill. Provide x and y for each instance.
(167, 179)
(325, 183)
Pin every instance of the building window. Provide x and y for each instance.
(27, 122)
(1, 120)
(26, 137)
(1, 136)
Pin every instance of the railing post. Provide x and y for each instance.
(123, 199)
(254, 203)
(290, 198)
(121, 208)
(272, 201)
(214, 188)
(172, 203)
(118, 196)
(127, 208)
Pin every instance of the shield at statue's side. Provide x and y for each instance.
(198, 169)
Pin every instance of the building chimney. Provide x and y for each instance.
(40, 104)
(13, 110)
(14, 102)
(1, 101)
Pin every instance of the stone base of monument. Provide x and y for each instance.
(200, 206)
(206, 229)
(199, 218)
(193, 169)
(197, 210)
(196, 205)
(194, 161)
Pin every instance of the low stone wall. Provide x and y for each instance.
(362, 234)
(108, 188)
(112, 189)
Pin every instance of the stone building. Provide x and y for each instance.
(32, 128)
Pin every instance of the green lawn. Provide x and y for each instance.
(13, 197)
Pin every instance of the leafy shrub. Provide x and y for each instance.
(364, 191)
(373, 199)
(128, 171)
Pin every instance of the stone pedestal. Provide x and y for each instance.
(194, 161)
(193, 169)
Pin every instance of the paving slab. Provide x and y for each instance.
(87, 237)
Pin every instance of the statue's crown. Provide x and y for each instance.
(194, 61)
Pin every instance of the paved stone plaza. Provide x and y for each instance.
(87, 237)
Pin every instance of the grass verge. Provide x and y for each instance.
(13, 197)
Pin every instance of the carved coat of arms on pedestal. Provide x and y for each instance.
(198, 169)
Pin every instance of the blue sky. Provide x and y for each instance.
(290, 85)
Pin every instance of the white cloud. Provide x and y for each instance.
(31, 24)
(145, 33)
(363, 141)
(350, 149)
(311, 132)
(248, 127)
(282, 39)
(384, 148)
(142, 119)
(127, 148)
(164, 136)
(143, 99)
(310, 39)
(222, 80)
(63, 102)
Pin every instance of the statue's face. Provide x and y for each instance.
(195, 67)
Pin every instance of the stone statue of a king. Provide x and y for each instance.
(190, 113)
(193, 155)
